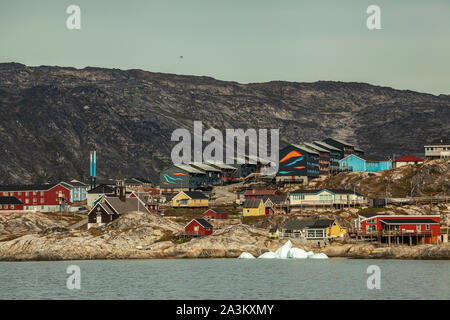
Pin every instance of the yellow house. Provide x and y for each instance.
(253, 207)
(335, 230)
(321, 229)
(190, 199)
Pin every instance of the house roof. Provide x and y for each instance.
(202, 222)
(218, 210)
(409, 221)
(305, 148)
(408, 158)
(364, 157)
(143, 196)
(296, 224)
(326, 146)
(204, 167)
(321, 224)
(103, 188)
(277, 199)
(28, 187)
(342, 142)
(105, 207)
(343, 191)
(129, 205)
(74, 183)
(316, 147)
(10, 200)
(305, 191)
(252, 203)
(195, 195)
(370, 215)
(189, 168)
(251, 192)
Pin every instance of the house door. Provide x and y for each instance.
(99, 218)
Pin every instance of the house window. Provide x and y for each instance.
(27, 200)
(12, 206)
(427, 227)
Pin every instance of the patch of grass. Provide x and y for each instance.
(178, 240)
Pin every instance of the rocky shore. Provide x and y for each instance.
(143, 236)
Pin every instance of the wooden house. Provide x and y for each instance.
(276, 203)
(10, 204)
(254, 207)
(298, 164)
(40, 197)
(324, 229)
(406, 160)
(190, 199)
(182, 177)
(412, 229)
(259, 193)
(198, 227)
(355, 162)
(109, 208)
(216, 213)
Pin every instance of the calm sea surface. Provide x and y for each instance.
(226, 279)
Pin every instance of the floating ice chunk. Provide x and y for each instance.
(295, 253)
(268, 255)
(282, 252)
(246, 255)
(318, 256)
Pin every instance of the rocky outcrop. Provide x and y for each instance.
(143, 236)
(370, 251)
(17, 223)
(429, 179)
(51, 117)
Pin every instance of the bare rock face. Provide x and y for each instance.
(144, 236)
(57, 115)
(430, 179)
(28, 222)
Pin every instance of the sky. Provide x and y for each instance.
(240, 40)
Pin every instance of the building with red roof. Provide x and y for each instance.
(403, 161)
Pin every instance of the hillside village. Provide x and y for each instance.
(326, 193)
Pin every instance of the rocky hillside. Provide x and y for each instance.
(429, 179)
(51, 117)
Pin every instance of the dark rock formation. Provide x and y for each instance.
(51, 117)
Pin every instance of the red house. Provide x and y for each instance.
(259, 193)
(198, 227)
(425, 229)
(215, 213)
(43, 197)
(10, 203)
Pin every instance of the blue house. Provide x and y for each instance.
(358, 162)
(78, 190)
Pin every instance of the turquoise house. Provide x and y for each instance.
(78, 190)
(358, 162)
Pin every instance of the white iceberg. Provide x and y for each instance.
(246, 255)
(268, 255)
(295, 253)
(283, 251)
(318, 256)
(310, 253)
